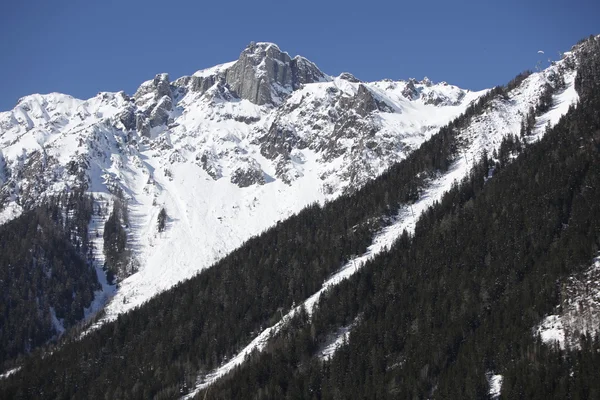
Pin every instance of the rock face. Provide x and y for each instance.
(249, 173)
(152, 91)
(364, 102)
(197, 84)
(155, 102)
(410, 91)
(349, 77)
(280, 140)
(265, 75)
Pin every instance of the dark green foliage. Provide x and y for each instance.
(42, 265)
(517, 80)
(528, 123)
(162, 219)
(116, 253)
(545, 100)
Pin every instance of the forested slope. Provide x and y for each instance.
(445, 309)
(45, 279)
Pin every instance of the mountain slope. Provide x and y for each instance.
(448, 313)
(226, 152)
(252, 287)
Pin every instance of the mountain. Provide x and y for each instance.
(409, 283)
(225, 154)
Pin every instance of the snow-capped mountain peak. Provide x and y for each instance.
(226, 152)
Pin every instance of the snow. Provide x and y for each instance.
(9, 373)
(340, 338)
(495, 383)
(551, 330)
(96, 232)
(210, 218)
(406, 220)
(56, 323)
(216, 70)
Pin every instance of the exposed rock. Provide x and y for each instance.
(410, 91)
(176, 157)
(427, 82)
(265, 75)
(221, 91)
(158, 87)
(127, 118)
(246, 119)
(208, 162)
(304, 71)
(363, 102)
(196, 84)
(142, 125)
(285, 170)
(280, 140)
(349, 77)
(437, 99)
(248, 174)
(160, 114)
(154, 100)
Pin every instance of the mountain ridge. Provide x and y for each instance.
(223, 168)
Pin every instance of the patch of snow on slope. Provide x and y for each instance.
(9, 373)
(210, 218)
(102, 209)
(341, 337)
(578, 313)
(551, 330)
(495, 383)
(406, 220)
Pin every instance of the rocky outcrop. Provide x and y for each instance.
(248, 174)
(208, 161)
(263, 74)
(438, 99)
(127, 118)
(410, 91)
(304, 71)
(349, 77)
(280, 140)
(363, 102)
(154, 100)
(160, 113)
(153, 90)
(221, 91)
(196, 84)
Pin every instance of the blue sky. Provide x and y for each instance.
(84, 47)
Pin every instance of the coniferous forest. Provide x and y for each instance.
(44, 273)
(430, 318)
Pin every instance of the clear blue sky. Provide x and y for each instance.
(84, 47)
